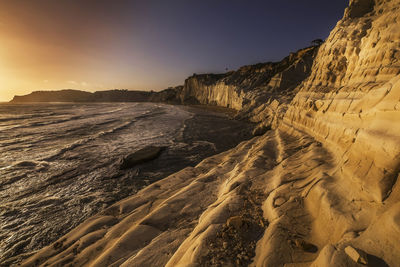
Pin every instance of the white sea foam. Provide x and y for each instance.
(54, 159)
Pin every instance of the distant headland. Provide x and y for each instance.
(117, 95)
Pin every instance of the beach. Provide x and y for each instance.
(61, 162)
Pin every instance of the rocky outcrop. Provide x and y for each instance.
(252, 86)
(321, 188)
(169, 95)
(350, 104)
(351, 100)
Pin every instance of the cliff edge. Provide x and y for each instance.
(321, 188)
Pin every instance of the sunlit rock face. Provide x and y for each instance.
(322, 186)
(251, 86)
(351, 99)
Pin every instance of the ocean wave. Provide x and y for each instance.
(26, 116)
(84, 141)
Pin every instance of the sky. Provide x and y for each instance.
(147, 45)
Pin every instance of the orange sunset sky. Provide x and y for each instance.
(61, 45)
(146, 45)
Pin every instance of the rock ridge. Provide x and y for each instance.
(324, 178)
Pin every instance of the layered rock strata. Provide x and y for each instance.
(251, 89)
(319, 189)
(351, 100)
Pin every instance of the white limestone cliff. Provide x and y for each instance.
(321, 188)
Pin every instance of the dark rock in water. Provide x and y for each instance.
(141, 156)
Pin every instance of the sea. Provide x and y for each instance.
(60, 162)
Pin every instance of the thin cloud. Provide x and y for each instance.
(77, 83)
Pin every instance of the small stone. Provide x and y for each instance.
(350, 235)
(305, 246)
(235, 222)
(318, 104)
(225, 245)
(356, 255)
(274, 104)
(279, 201)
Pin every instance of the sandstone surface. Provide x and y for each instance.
(321, 188)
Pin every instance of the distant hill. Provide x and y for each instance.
(70, 95)
(55, 96)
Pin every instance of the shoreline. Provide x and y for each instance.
(321, 187)
(202, 135)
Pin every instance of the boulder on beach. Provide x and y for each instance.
(141, 156)
(324, 181)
